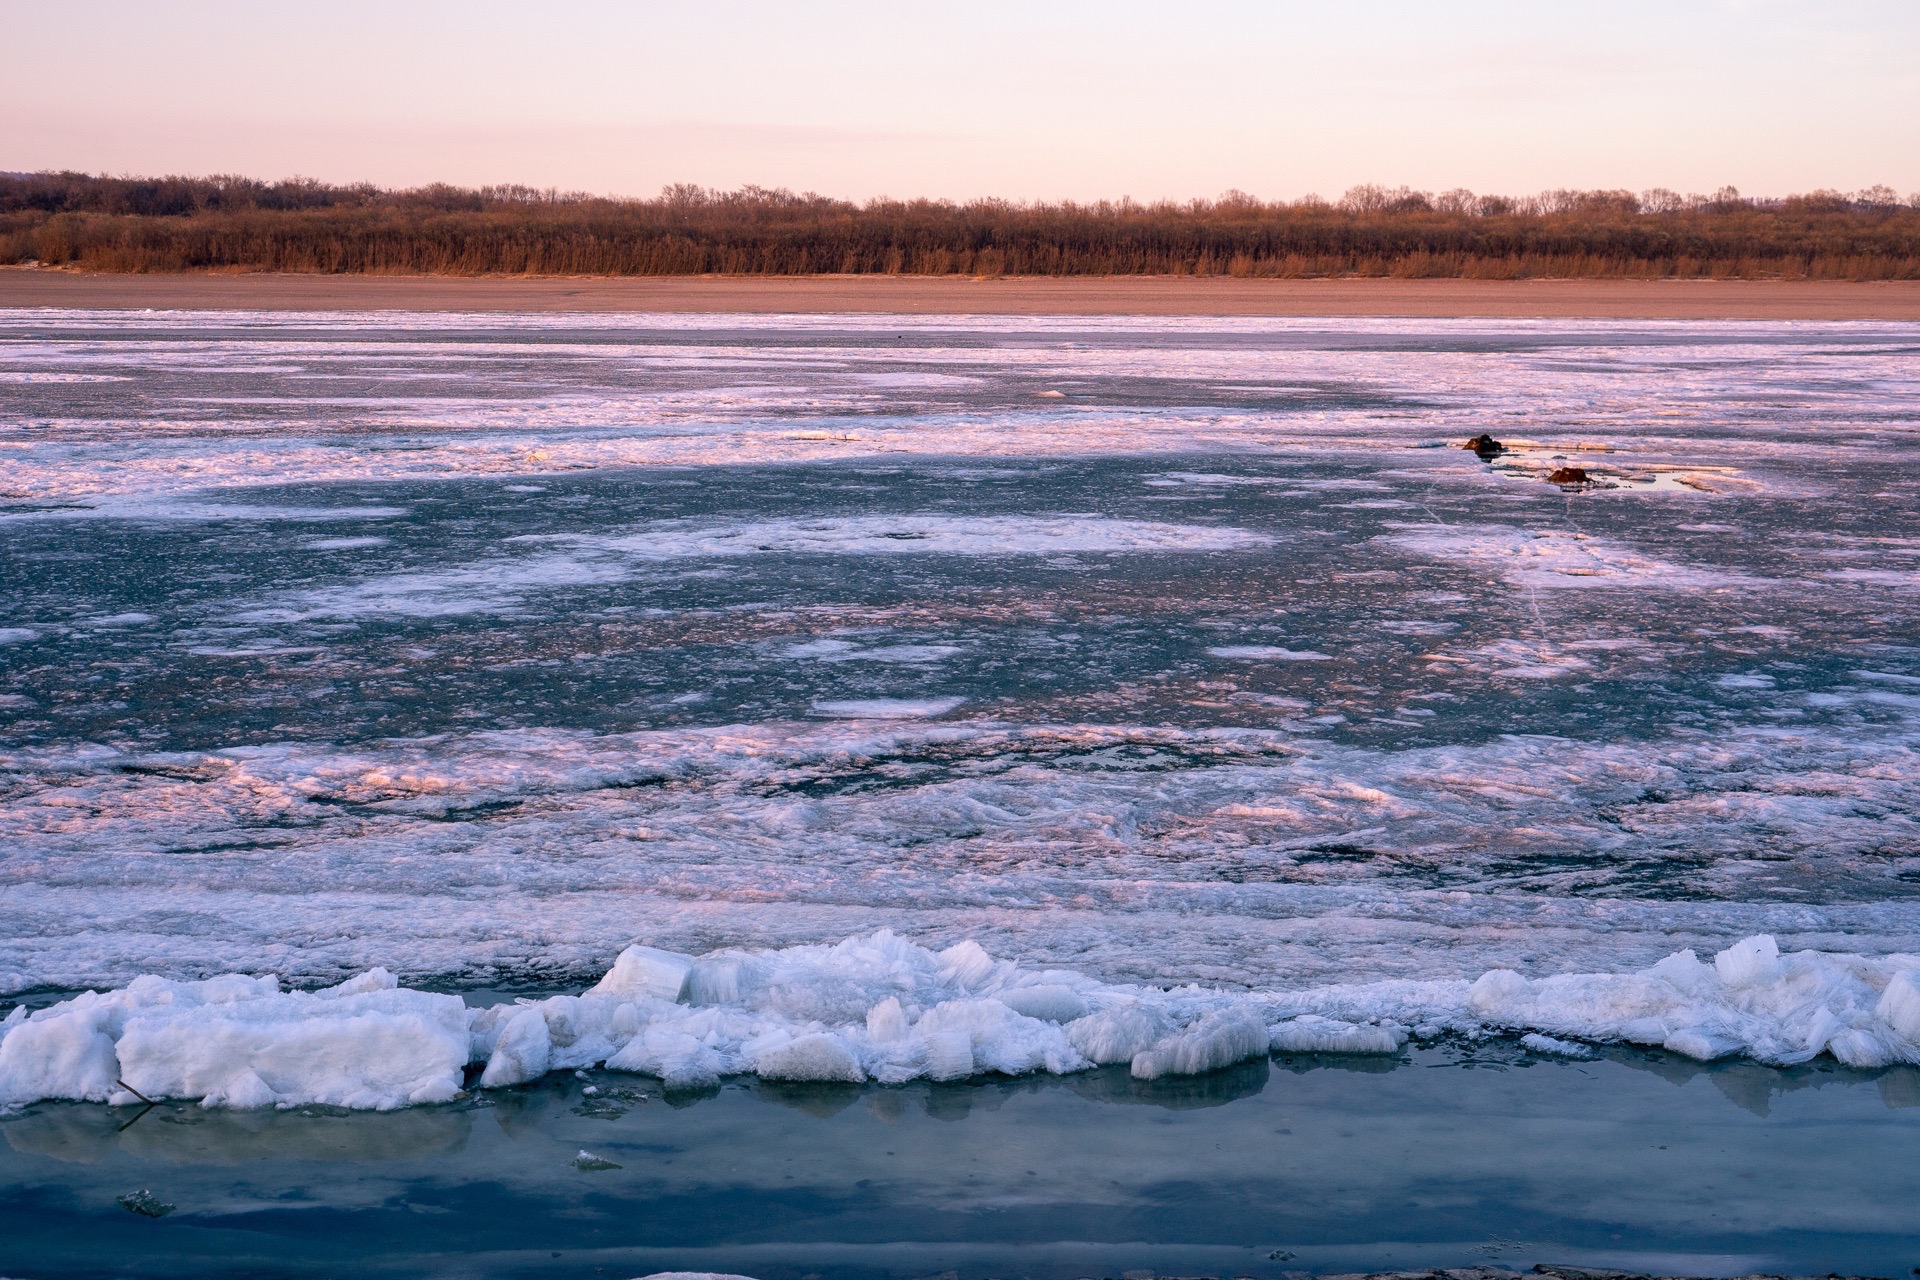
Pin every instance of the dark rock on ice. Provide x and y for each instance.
(146, 1204)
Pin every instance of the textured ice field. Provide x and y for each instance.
(1161, 651)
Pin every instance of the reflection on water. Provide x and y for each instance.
(1755, 1088)
(184, 1134)
(1176, 1093)
(1433, 1159)
(191, 1135)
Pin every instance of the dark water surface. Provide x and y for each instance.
(1455, 1156)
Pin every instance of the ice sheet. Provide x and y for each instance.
(342, 397)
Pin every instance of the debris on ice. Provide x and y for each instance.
(144, 1203)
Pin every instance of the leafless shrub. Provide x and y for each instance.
(234, 223)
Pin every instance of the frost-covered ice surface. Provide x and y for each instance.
(478, 649)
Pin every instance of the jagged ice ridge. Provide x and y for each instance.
(880, 1008)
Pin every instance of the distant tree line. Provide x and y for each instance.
(231, 223)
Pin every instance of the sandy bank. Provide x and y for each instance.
(1161, 295)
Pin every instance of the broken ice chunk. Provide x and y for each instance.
(587, 1162)
(1310, 1034)
(1538, 1043)
(647, 971)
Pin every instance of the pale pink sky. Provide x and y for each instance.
(1023, 100)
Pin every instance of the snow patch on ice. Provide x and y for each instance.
(1184, 479)
(347, 544)
(847, 651)
(1007, 535)
(1875, 577)
(584, 560)
(28, 376)
(887, 708)
(154, 509)
(1558, 558)
(1516, 659)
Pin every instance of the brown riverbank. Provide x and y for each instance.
(934, 295)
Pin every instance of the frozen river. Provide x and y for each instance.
(1162, 651)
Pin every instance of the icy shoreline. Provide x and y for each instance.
(880, 1008)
